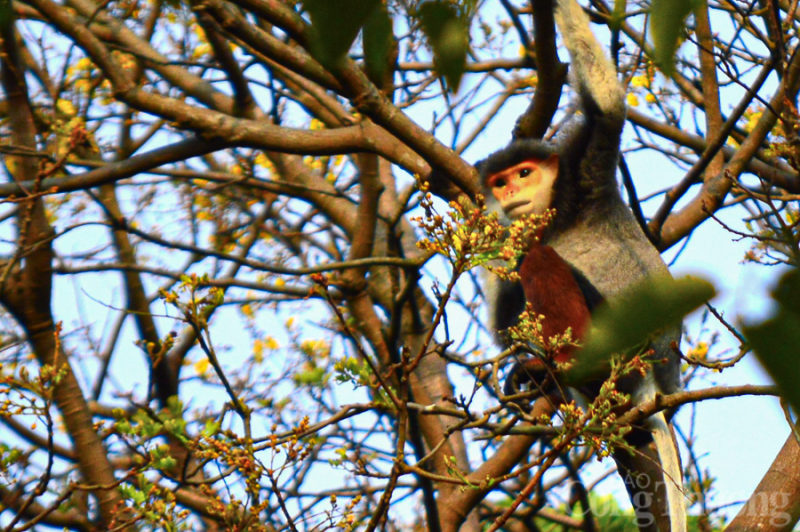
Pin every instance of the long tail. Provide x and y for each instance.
(671, 465)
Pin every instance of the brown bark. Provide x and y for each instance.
(774, 506)
(551, 72)
(27, 290)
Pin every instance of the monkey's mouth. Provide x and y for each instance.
(516, 205)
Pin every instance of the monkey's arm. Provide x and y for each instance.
(594, 76)
(591, 151)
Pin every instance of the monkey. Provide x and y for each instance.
(592, 251)
(551, 286)
(526, 188)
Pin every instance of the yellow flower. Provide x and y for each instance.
(457, 242)
(66, 107)
(200, 32)
(699, 351)
(752, 120)
(201, 50)
(271, 343)
(531, 81)
(633, 100)
(264, 162)
(12, 165)
(84, 63)
(201, 366)
(640, 81)
(82, 85)
(258, 351)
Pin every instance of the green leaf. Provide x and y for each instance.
(144, 484)
(176, 427)
(776, 341)
(378, 39)
(448, 35)
(667, 20)
(211, 428)
(139, 498)
(166, 463)
(335, 25)
(313, 377)
(175, 406)
(149, 428)
(635, 316)
(124, 427)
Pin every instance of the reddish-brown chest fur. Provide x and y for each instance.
(551, 289)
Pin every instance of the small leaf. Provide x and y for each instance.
(378, 36)
(138, 497)
(447, 34)
(635, 316)
(123, 426)
(776, 340)
(667, 18)
(335, 25)
(211, 429)
(313, 377)
(175, 406)
(166, 463)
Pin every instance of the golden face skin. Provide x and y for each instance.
(525, 188)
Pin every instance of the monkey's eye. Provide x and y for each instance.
(499, 183)
(525, 172)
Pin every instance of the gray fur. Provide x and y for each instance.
(594, 230)
(610, 249)
(598, 234)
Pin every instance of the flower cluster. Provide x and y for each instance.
(529, 330)
(470, 236)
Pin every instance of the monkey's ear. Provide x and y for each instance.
(551, 161)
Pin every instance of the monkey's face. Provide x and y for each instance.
(525, 188)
